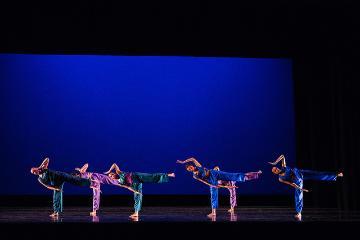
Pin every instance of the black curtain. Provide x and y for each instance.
(327, 124)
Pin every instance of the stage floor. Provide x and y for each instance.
(174, 214)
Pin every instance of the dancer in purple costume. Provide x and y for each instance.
(102, 179)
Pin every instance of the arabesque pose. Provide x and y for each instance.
(101, 179)
(295, 178)
(54, 180)
(212, 177)
(134, 180)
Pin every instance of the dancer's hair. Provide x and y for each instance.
(116, 175)
(281, 170)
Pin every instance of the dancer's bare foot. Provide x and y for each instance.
(212, 214)
(298, 217)
(231, 210)
(259, 172)
(134, 215)
(213, 217)
(134, 219)
(45, 163)
(93, 213)
(54, 215)
(340, 174)
(171, 175)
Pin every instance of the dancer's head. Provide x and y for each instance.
(113, 175)
(276, 170)
(190, 168)
(35, 171)
(217, 168)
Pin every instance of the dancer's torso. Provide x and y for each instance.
(291, 175)
(99, 177)
(203, 173)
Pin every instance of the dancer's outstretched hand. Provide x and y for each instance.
(305, 190)
(179, 161)
(272, 163)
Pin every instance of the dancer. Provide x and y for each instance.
(211, 177)
(295, 178)
(55, 180)
(232, 191)
(102, 179)
(135, 180)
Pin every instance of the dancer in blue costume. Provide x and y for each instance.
(295, 178)
(212, 177)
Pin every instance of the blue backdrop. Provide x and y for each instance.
(144, 113)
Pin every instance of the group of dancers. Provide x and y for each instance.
(133, 181)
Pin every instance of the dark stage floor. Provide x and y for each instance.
(176, 223)
(174, 214)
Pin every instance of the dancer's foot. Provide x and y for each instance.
(211, 215)
(259, 172)
(171, 175)
(134, 219)
(93, 213)
(298, 217)
(45, 163)
(39, 170)
(54, 215)
(340, 174)
(134, 215)
(231, 210)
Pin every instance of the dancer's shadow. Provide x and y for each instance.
(56, 219)
(233, 217)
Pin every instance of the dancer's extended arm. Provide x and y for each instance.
(282, 159)
(113, 166)
(200, 180)
(48, 187)
(293, 185)
(190, 160)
